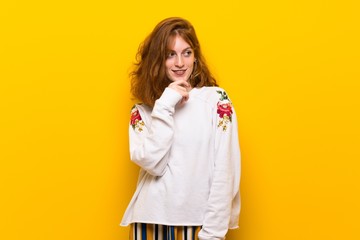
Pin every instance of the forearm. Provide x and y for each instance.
(149, 149)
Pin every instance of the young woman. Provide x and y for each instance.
(184, 138)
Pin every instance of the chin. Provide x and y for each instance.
(174, 79)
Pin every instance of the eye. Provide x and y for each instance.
(187, 53)
(171, 54)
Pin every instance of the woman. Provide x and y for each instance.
(184, 138)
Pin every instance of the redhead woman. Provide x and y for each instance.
(183, 135)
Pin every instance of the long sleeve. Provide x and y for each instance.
(223, 205)
(150, 140)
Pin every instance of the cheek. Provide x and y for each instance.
(190, 61)
(168, 64)
(191, 64)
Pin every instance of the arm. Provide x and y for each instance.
(150, 144)
(224, 203)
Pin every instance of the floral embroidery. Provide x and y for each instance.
(224, 109)
(135, 120)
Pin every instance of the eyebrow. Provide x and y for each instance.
(186, 49)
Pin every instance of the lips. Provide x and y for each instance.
(179, 72)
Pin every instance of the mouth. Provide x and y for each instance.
(179, 72)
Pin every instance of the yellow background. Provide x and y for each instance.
(292, 69)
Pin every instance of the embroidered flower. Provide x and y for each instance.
(224, 109)
(135, 120)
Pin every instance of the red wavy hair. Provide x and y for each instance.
(148, 79)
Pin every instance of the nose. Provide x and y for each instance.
(179, 61)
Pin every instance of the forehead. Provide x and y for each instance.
(177, 42)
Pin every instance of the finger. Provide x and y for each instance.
(178, 87)
(186, 96)
(182, 83)
(183, 100)
(185, 84)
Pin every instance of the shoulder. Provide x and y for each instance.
(138, 115)
(224, 109)
(142, 108)
(214, 95)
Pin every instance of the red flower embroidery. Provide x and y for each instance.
(224, 109)
(135, 116)
(135, 120)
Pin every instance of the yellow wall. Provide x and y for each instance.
(292, 69)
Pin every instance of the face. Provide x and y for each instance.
(180, 60)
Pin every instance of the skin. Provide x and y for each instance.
(179, 66)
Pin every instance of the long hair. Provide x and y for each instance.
(148, 79)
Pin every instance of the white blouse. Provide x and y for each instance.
(190, 162)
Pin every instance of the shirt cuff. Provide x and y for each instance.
(169, 98)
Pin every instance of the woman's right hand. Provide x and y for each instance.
(183, 88)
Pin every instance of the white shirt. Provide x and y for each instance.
(190, 162)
